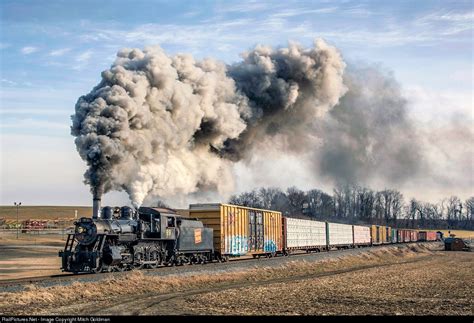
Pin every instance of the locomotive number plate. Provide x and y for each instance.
(197, 236)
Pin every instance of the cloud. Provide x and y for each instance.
(29, 50)
(446, 23)
(247, 7)
(8, 82)
(59, 52)
(302, 11)
(84, 57)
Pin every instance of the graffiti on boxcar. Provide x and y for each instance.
(270, 246)
(237, 245)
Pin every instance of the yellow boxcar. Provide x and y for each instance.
(378, 234)
(383, 234)
(239, 230)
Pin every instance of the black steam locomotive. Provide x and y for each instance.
(119, 239)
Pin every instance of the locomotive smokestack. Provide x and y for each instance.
(96, 208)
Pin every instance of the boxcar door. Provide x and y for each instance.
(256, 238)
(252, 239)
(259, 231)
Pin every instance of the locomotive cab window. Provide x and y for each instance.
(171, 222)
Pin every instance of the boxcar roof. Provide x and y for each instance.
(216, 207)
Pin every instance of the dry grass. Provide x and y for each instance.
(38, 300)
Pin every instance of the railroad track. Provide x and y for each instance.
(176, 269)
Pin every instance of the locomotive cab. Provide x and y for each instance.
(156, 224)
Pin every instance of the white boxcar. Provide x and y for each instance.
(304, 234)
(361, 235)
(339, 234)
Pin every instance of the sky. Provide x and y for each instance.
(52, 52)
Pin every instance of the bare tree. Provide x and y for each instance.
(296, 198)
(267, 196)
(469, 208)
(453, 210)
(250, 199)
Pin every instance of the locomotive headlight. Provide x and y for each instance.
(80, 230)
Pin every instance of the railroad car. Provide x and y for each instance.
(361, 235)
(422, 235)
(404, 235)
(377, 234)
(431, 236)
(241, 231)
(339, 235)
(300, 234)
(413, 236)
(399, 235)
(394, 235)
(384, 234)
(426, 236)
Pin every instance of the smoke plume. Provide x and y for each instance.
(369, 134)
(159, 125)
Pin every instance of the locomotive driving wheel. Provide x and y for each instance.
(138, 259)
(155, 256)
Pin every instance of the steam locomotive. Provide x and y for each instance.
(119, 239)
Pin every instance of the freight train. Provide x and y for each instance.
(118, 239)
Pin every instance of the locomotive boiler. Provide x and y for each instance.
(118, 239)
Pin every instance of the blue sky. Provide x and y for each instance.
(54, 51)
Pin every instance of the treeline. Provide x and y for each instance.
(355, 204)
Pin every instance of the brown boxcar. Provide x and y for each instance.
(422, 235)
(413, 236)
(431, 236)
(240, 230)
(405, 235)
(400, 235)
(427, 236)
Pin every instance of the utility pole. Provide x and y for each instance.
(17, 221)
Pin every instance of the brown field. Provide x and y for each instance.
(465, 234)
(398, 280)
(44, 212)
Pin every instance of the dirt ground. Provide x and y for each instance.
(30, 255)
(397, 280)
(427, 287)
